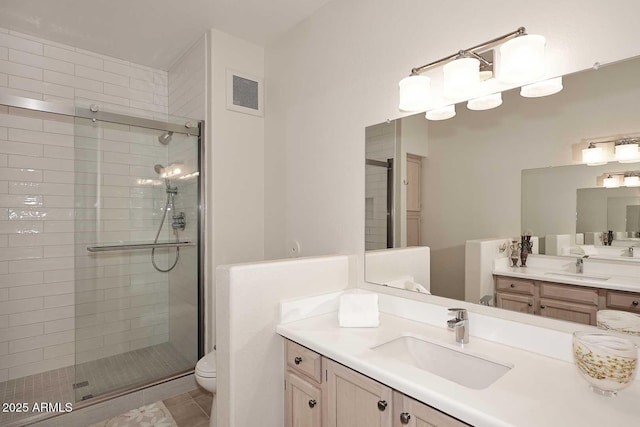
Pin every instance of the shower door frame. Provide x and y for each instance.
(189, 128)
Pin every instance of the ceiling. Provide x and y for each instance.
(151, 32)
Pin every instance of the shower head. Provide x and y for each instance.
(159, 169)
(165, 138)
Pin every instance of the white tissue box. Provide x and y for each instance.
(359, 310)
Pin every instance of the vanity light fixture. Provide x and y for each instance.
(521, 62)
(610, 182)
(442, 113)
(485, 102)
(542, 88)
(626, 150)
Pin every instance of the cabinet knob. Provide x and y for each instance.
(382, 405)
(543, 306)
(405, 417)
(312, 403)
(297, 360)
(512, 285)
(635, 303)
(530, 305)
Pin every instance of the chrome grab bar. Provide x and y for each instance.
(137, 246)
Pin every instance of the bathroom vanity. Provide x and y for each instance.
(510, 373)
(321, 392)
(546, 288)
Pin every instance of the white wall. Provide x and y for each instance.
(250, 357)
(337, 72)
(121, 302)
(236, 165)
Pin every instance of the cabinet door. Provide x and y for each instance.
(411, 413)
(302, 404)
(573, 312)
(354, 400)
(515, 302)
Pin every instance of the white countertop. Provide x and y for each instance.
(537, 391)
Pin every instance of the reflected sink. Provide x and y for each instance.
(577, 276)
(467, 369)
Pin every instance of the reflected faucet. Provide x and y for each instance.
(630, 252)
(460, 324)
(580, 264)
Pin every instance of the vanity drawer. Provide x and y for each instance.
(571, 293)
(627, 301)
(509, 284)
(304, 361)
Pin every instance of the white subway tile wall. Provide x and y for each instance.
(54, 173)
(379, 145)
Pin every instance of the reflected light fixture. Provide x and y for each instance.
(521, 62)
(485, 102)
(442, 113)
(542, 88)
(522, 59)
(632, 180)
(593, 156)
(610, 182)
(626, 150)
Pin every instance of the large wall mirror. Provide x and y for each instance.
(440, 183)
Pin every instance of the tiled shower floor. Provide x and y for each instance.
(101, 376)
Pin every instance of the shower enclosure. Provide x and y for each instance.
(107, 211)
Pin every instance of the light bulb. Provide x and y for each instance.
(610, 182)
(627, 153)
(521, 59)
(542, 88)
(485, 102)
(442, 113)
(414, 93)
(593, 156)
(632, 181)
(461, 77)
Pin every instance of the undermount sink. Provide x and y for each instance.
(577, 276)
(467, 369)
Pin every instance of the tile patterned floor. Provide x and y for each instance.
(103, 375)
(190, 409)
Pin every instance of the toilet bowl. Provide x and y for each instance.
(207, 378)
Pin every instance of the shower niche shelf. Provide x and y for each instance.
(138, 246)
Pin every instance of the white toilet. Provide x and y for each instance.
(207, 378)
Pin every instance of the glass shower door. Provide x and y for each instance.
(136, 195)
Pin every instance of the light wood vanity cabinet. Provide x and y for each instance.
(302, 386)
(620, 300)
(354, 400)
(558, 301)
(341, 397)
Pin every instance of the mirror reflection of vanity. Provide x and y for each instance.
(476, 167)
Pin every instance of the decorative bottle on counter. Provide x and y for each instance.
(514, 252)
(525, 249)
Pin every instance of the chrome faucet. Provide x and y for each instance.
(460, 324)
(580, 264)
(630, 252)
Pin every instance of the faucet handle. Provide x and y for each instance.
(460, 313)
